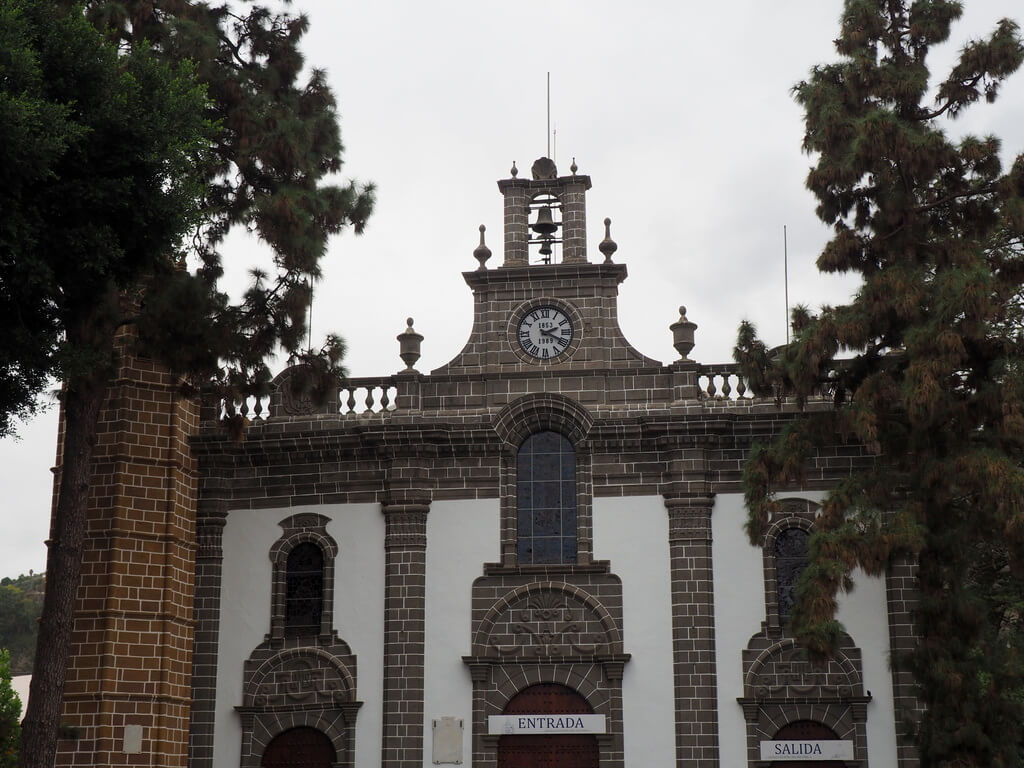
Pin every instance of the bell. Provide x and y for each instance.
(544, 225)
(545, 248)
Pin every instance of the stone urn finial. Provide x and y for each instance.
(608, 246)
(683, 335)
(482, 253)
(409, 346)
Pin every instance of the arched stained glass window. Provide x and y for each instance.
(304, 590)
(546, 499)
(790, 561)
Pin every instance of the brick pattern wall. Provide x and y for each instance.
(405, 545)
(693, 631)
(902, 596)
(547, 624)
(209, 570)
(782, 685)
(131, 654)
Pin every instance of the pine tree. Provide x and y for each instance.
(935, 388)
(10, 715)
(134, 177)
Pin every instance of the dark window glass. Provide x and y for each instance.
(304, 590)
(790, 561)
(546, 499)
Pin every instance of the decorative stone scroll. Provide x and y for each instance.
(547, 621)
(300, 676)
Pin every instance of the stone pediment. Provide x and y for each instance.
(298, 677)
(785, 671)
(546, 621)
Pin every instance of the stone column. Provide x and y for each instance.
(209, 569)
(405, 547)
(693, 631)
(128, 688)
(901, 596)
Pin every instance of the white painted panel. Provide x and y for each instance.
(864, 614)
(244, 616)
(461, 536)
(359, 612)
(739, 611)
(245, 612)
(632, 533)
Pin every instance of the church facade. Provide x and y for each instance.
(531, 556)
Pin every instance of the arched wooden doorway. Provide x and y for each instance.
(299, 748)
(805, 730)
(570, 750)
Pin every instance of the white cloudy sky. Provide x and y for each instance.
(679, 111)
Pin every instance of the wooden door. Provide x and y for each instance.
(299, 748)
(570, 750)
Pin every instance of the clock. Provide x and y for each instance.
(544, 332)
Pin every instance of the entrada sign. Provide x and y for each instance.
(833, 749)
(504, 725)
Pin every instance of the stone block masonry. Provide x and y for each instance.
(128, 684)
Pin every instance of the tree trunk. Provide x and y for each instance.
(63, 565)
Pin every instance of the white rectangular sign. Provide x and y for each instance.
(834, 749)
(523, 724)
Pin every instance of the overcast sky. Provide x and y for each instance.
(680, 112)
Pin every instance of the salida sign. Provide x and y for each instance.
(833, 749)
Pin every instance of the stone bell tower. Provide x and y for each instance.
(557, 205)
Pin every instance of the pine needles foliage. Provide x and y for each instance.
(934, 389)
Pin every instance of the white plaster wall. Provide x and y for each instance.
(739, 611)
(245, 612)
(359, 612)
(461, 536)
(864, 614)
(632, 533)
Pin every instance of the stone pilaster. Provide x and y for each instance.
(693, 631)
(405, 546)
(902, 596)
(128, 688)
(210, 523)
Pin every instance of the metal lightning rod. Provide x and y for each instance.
(549, 115)
(785, 262)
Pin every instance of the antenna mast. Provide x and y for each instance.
(549, 115)
(785, 263)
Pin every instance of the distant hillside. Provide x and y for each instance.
(21, 602)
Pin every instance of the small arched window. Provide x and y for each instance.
(790, 561)
(546, 499)
(304, 590)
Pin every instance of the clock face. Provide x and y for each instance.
(545, 332)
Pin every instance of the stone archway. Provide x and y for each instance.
(548, 751)
(301, 747)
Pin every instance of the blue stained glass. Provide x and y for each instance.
(524, 521)
(547, 550)
(546, 499)
(547, 495)
(569, 522)
(569, 549)
(547, 522)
